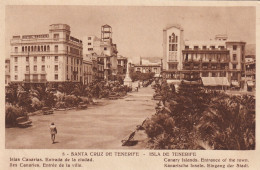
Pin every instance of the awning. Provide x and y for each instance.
(215, 81)
(235, 83)
(250, 83)
(174, 81)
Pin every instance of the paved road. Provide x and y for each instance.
(101, 126)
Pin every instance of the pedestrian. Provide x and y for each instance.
(53, 131)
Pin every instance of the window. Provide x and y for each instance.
(27, 59)
(56, 76)
(222, 74)
(35, 77)
(56, 68)
(89, 43)
(15, 59)
(15, 68)
(16, 77)
(205, 74)
(234, 57)
(204, 47)
(212, 47)
(89, 38)
(23, 49)
(105, 48)
(34, 68)
(43, 77)
(234, 47)
(234, 66)
(56, 58)
(56, 48)
(27, 68)
(56, 36)
(43, 58)
(16, 49)
(35, 59)
(221, 47)
(196, 47)
(214, 74)
(214, 67)
(43, 67)
(186, 47)
(90, 49)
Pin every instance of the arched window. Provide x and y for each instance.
(26, 48)
(35, 48)
(22, 48)
(48, 48)
(38, 48)
(31, 48)
(41, 48)
(45, 48)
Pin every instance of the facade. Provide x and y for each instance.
(97, 66)
(7, 72)
(250, 72)
(104, 48)
(87, 70)
(121, 65)
(52, 57)
(220, 57)
(146, 66)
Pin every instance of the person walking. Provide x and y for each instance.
(53, 131)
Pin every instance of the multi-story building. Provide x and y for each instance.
(250, 62)
(105, 49)
(97, 66)
(53, 57)
(7, 71)
(87, 69)
(121, 64)
(195, 59)
(147, 67)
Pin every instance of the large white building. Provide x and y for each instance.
(52, 57)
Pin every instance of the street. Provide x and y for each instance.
(101, 126)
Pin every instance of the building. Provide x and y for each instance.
(121, 65)
(87, 69)
(53, 57)
(104, 48)
(250, 72)
(97, 66)
(7, 71)
(192, 60)
(148, 67)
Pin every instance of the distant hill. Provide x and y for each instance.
(250, 49)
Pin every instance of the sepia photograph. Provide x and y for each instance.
(130, 77)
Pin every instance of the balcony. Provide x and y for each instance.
(35, 80)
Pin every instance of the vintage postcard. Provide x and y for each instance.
(137, 85)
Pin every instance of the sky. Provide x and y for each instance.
(137, 30)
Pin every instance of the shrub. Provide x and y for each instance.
(12, 113)
(36, 104)
(60, 105)
(71, 100)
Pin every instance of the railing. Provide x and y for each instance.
(35, 80)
